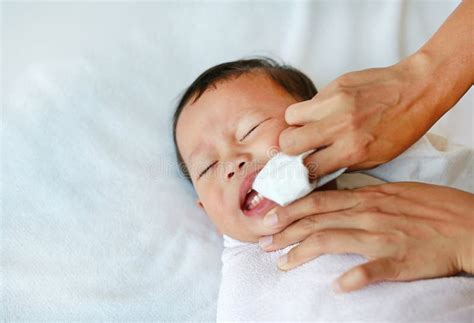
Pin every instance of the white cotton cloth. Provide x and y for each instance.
(285, 178)
(253, 289)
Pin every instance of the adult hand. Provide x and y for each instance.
(369, 117)
(409, 231)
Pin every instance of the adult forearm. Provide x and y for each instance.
(449, 57)
(367, 118)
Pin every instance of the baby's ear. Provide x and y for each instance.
(199, 204)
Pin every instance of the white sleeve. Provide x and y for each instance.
(432, 159)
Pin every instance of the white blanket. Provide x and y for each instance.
(96, 224)
(253, 289)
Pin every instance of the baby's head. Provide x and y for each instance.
(226, 127)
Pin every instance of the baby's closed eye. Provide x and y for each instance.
(207, 169)
(253, 128)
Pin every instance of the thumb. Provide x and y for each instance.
(366, 274)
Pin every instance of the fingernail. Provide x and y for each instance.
(265, 241)
(336, 287)
(270, 220)
(282, 261)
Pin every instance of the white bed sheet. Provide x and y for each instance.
(96, 222)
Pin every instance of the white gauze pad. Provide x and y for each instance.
(285, 179)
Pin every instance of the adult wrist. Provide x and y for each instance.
(437, 82)
(465, 257)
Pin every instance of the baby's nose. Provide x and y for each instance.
(231, 173)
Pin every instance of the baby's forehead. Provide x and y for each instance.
(227, 101)
(241, 92)
(224, 104)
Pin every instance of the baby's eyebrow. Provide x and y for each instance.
(247, 114)
(196, 151)
(193, 154)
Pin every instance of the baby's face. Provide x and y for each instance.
(225, 138)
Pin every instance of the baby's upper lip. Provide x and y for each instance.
(246, 186)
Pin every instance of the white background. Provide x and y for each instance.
(96, 223)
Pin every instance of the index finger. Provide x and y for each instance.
(296, 140)
(318, 108)
(314, 203)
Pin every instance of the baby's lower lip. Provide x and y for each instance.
(261, 208)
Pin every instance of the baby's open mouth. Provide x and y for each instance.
(251, 202)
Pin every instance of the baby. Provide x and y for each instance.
(226, 128)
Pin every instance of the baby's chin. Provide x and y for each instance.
(255, 232)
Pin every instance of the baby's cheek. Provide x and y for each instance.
(217, 206)
(210, 201)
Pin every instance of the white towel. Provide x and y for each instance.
(254, 289)
(285, 178)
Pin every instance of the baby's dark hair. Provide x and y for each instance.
(295, 82)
